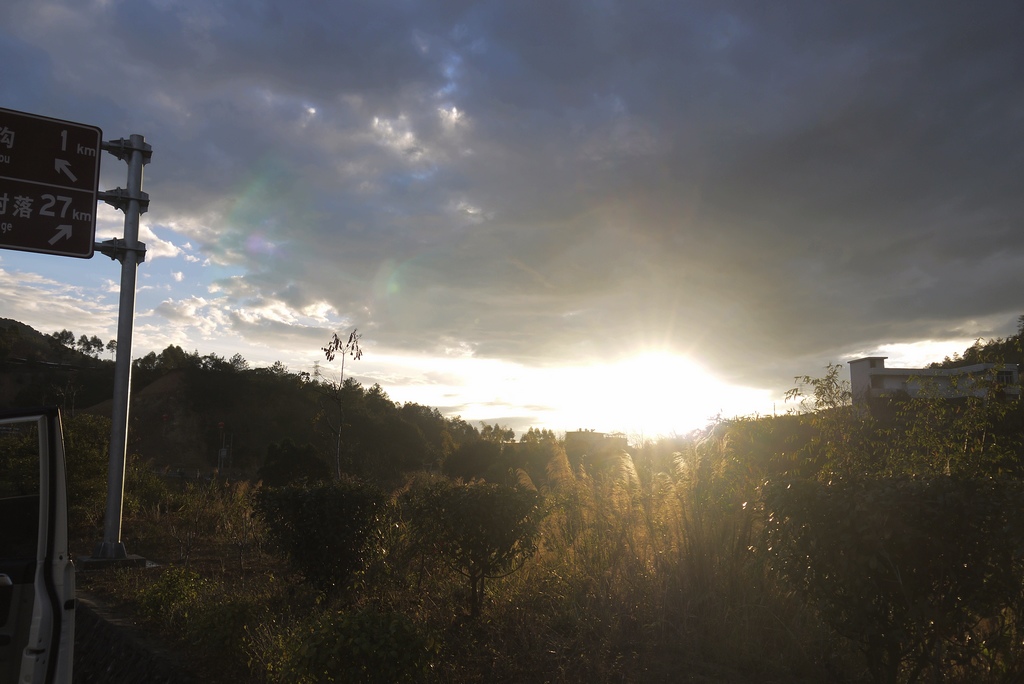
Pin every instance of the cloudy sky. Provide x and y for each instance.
(568, 214)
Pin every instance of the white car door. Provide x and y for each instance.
(37, 580)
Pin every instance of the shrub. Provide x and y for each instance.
(87, 456)
(483, 530)
(200, 611)
(323, 528)
(197, 517)
(908, 568)
(361, 646)
(144, 489)
(173, 598)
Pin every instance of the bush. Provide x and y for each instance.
(202, 612)
(363, 646)
(87, 457)
(323, 528)
(483, 530)
(922, 574)
(174, 598)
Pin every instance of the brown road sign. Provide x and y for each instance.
(49, 177)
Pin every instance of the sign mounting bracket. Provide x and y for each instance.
(119, 198)
(116, 249)
(122, 148)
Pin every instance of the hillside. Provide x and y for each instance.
(36, 369)
(194, 412)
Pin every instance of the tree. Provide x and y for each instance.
(238, 363)
(210, 362)
(496, 433)
(287, 462)
(146, 363)
(112, 348)
(95, 346)
(173, 358)
(533, 436)
(349, 347)
(934, 433)
(844, 437)
(473, 459)
(535, 452)
(8, 338)
(827, 392)
(64, 338)
(483, 530)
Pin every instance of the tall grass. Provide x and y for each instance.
(646, 577)
(640, 576)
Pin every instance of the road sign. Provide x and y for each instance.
(49, 177)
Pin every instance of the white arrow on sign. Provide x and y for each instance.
(64, 166)
(63, 231)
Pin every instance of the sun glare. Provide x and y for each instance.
(652, 394)
(649, 394)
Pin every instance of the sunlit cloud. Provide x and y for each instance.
(319, 311)
(185, 310)
(156, 247)
(51, 305)
(451, 118)
(397, 135)
(308, 114)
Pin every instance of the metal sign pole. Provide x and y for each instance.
(130, 252)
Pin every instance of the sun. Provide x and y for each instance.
(652, 393)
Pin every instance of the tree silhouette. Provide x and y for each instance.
(346, 348)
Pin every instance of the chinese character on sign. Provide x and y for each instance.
(7, 137)
(22, 207)
(3, 204)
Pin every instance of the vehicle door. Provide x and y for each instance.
(37, 581)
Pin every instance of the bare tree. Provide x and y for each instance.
(345, 348)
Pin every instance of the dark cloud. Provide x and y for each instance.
(760, 185)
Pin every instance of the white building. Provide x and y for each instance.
(870, 378)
